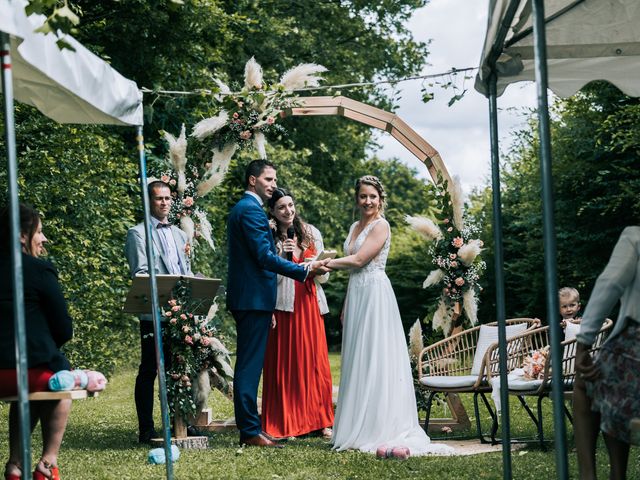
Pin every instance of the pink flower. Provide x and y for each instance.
(165, 178)
(187, 201)
(205, 341)
(245, 135)
(450, 229)
(457, 242)
(183, 316)
(235, 115)
(172, 302)
(176, 308)
(445, 221)
(184, 378)
(454, 264)
(172, 182)
(173, 321)
(168, 313)
(188, 340)
(270, 120)
(452, 256)
(459, 281)
(186, 329)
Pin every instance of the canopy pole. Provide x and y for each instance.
(16, 259)
(155, 307)
(499, 273)
(550, 252)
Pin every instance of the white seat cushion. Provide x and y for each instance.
(489, 335)
(449, 381)
(520, 384)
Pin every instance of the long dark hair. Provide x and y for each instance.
(299, 227)
(29, 220)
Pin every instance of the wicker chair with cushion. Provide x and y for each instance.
(527, 343)
(458, 364)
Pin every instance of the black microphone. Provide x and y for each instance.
(290, 234)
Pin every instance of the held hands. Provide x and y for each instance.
(584, 363)
(320, 267)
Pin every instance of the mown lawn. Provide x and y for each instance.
(101, 443)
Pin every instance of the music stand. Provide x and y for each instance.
(203, 292)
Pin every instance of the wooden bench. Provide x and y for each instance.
(43, 396)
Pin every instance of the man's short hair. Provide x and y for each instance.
(569, 292)
(156, 184)
(255, 169)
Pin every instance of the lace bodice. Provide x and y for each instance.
(377, 264)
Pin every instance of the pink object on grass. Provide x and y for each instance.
(385, 451)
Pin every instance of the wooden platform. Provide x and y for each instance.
(43, 396)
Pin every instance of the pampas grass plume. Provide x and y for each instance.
(468, 252)
(209, 126)
(260, 143)
(457, 200)
(303, 75)
(442, 318)
(252, 74)
(434, 277)
(415, 340)
(177, 149)
(425, 226)
(470, 304)
(187, 226)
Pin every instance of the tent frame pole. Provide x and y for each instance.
(16, 259)
(499, 273)
(155, 305)
(549, 235)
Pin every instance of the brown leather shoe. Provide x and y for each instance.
(260, 441)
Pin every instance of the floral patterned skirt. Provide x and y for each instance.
(615, 394)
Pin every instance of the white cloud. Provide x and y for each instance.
(460, 133)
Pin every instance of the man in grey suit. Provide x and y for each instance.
(169, 244)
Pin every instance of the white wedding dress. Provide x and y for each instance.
(376, 400)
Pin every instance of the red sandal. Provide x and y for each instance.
(53, 469)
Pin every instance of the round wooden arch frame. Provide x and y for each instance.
(377, 118)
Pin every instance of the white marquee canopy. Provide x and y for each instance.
(586, 40)
(67, 86)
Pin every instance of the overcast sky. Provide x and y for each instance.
(460, 133)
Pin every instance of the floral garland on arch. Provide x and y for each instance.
(194, 351)
(245, 117)
(455, 252)
(242, 121)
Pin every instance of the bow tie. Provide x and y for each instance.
(163, 225)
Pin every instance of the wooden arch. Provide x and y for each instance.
(377, 118)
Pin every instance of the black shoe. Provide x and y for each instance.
(146, 436)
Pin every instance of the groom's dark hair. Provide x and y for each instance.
(255, 169)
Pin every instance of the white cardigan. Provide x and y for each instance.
(286, 286)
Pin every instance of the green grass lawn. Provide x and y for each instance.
(101, 443)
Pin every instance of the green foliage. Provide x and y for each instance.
(83, 182)
(596, 182)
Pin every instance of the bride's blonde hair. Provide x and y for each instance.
(375, 183)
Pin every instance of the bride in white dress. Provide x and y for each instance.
(376, 400)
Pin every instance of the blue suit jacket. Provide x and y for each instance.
(253, 261)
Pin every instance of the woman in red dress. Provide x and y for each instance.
(297, 385)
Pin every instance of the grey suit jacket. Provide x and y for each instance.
(136, 252)
(620, 280)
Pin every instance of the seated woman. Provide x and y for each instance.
(297, 385)
(48, 327)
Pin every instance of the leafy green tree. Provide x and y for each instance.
(596, 182)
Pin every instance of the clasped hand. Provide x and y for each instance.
(588, 370)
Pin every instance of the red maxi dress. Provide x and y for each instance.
(296, 384)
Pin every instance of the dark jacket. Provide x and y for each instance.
(253, 261)
(47, 321)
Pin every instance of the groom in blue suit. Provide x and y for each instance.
(251, 292)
